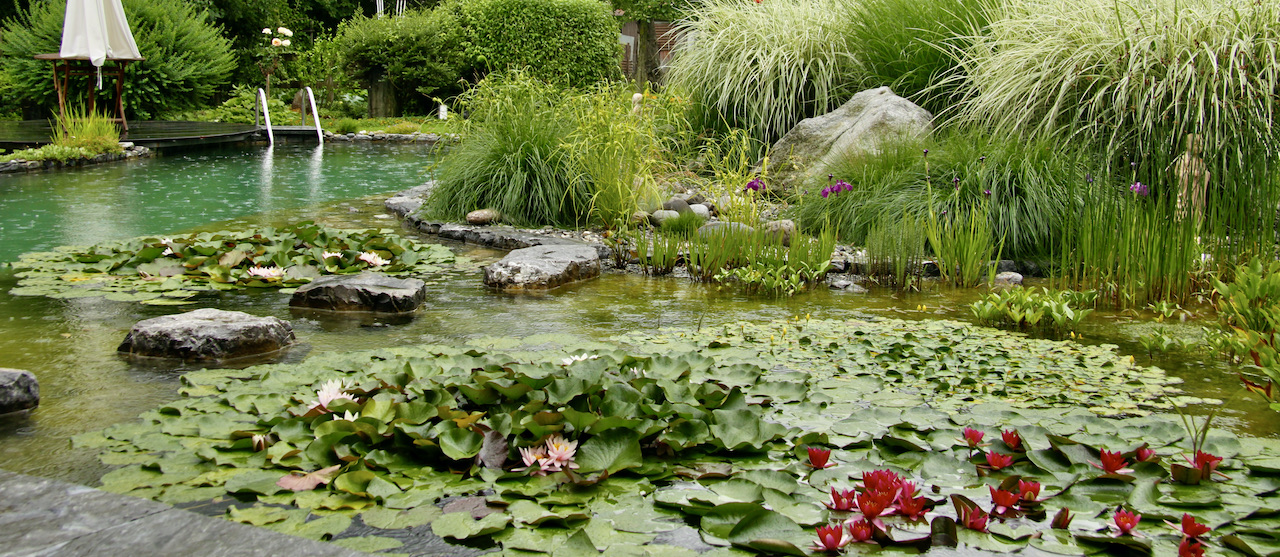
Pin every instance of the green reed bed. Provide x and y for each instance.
(756, 260)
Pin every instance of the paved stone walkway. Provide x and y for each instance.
(41, 517)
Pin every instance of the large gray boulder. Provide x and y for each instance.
(207, 334)
(543, 267)
(859, 126)
(374, 292)
(409, 201)
(19, 390)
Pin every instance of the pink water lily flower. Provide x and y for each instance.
(373, 259)
(1028, 491)
(861, 531)
(1126, 523)
(1113, 463)
(999, 461)
(820, 458)
(1012, 439)
(842, 500)
(533, 458)
(831, 538)
(973, 437)
(1002, 500)
(266, 272)
(560, 452)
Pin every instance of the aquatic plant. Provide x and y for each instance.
(686, 224)
(1032, 308)
(174, 269)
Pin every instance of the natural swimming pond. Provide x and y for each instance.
(71, 343)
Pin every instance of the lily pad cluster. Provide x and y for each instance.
(170, 270)
(945, 364)
(679, 451)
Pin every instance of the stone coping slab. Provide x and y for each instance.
(40, 517)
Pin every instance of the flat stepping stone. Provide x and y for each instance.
(19, 390)
(543, 267)
(208, 334)
(365, 292)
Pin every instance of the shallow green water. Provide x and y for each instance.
(70, 344)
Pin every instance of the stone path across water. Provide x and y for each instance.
(46, 517)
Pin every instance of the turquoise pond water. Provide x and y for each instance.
(71, 344)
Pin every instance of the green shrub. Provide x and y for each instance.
(238, 109)
(571, 42)
(905, 45)
(423, 54)
(187, 59)
(345, 126)
(765, 66)
(48, 153)
(1033, 188)
(402, 128)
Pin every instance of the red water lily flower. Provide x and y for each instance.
(860, 530)
(1062, 520)
(973, 437)
(1012, 439)
(831, 538)
(1190, 548)
(881, 480)
(1207, 463)
(998, 461)
(1028, 490)
(974, 519)
(1002, 500)
(1126, 523)
(1145, 454)
(1113, 463)
(912, 507)
(818, 458)
(842, 500)
(875, 503)
(907, 489)
(1189, 527)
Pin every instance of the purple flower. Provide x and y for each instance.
(1088, 177)
(826, 192)
(1138, 188)
(754, 185)
(956, 181)
(841, 185)
(983, 158)
(986, 193)
(926, 152)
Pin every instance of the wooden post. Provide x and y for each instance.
(382, 99)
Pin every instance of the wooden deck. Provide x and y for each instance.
(155, 134)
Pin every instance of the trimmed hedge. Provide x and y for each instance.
(187, 59)
(422, 53)
(569, 42)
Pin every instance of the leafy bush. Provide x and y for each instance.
(187, 59)
(570, 42)
(543, 155)
(402, 128)
(237, 109)
(763, 66)
(1033, 187)
(345, 126)
(905, 45)
(48, 153)
(423, 54)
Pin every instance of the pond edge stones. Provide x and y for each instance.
(207, 334)
(543, 267)
(364, 292)
(19, 390)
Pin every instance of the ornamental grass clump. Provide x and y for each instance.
(763, 66)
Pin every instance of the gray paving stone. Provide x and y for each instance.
(42, 517)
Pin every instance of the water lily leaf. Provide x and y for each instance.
(578, 545)
(391, 519)
(258, 515)
(262, 482)
(533, 514)
(309, 481)
(610, 451)
(768, 531)
(461, 526)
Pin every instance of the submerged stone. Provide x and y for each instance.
(543, 267)
(1008, 279)
(19, 390)
(365, 292)
(207, 334)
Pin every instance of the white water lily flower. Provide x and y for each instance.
(329, 254)
(284, 42)
(373, 259)
(266, 272)
(578, 358)
(285, 32)
(275, 42)
(266, 31)
(348, 416)
(167, 252)
(261, 441)
(329, 392)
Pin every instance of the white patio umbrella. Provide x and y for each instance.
(97, 30)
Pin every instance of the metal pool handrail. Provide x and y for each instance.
(315, 114)
(262, 98)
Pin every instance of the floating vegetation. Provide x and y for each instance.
(171, 270)
(587, 447)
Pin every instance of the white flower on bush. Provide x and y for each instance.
(284, 42)
(276, 42)
(266, 31)
(285, 32)
(373, 259)
(266, 272)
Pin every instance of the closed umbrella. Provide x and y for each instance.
(97, 30)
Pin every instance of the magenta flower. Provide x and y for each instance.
(1012, 439)
(860, 530)
(842, 500)
(875, 503)
(831, 538)
(1028, 490)
(1190, 548)
(999, 461)
(912, 507)
(881, 480)
(1002, 500)
(1189, 528)
(1207, 463)
(1139, 189)
(1145, 454)
(1126, 523)
(1113, 463)
(754, 185)
(974, 519)
(973, 437)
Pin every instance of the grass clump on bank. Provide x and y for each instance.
(77, 135)
(545, 156)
